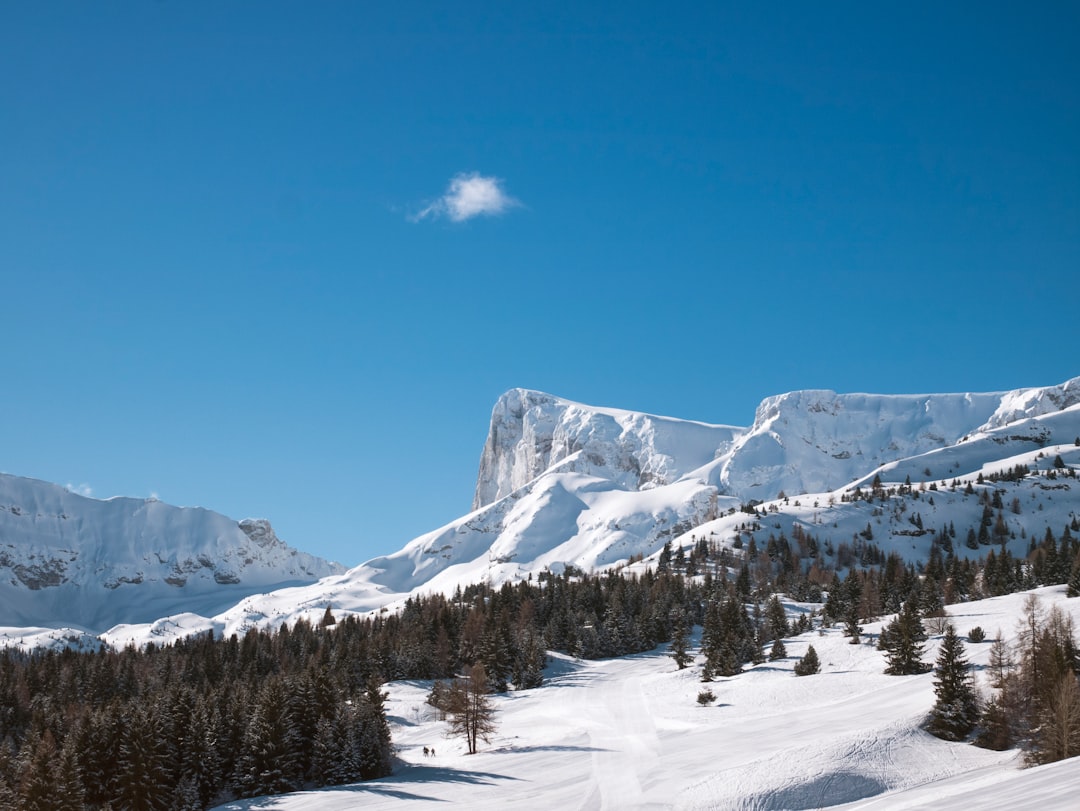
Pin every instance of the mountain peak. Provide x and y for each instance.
(532, 432)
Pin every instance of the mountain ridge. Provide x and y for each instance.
(565, 486)
(92, 563)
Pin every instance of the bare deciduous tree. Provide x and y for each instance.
(469, 708)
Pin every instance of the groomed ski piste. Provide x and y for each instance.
(629, 733)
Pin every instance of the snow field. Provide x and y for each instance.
(628, 733)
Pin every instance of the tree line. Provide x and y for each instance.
(207, 719)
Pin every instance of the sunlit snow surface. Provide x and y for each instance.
(628, 733)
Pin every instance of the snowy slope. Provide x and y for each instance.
(628, 733)
(592, 508)
(69, 560)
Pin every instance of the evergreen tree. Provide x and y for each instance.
(956, 710)
(776, 619)
(1074, 580)
(530, 662)
(37, 788)
(711, 640)
(778, 651)
(809, 664)
(142, 783)
(680, 641)
(903, 641)
(372, 733)
(268, 759)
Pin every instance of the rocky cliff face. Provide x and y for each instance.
(1025, 403)
(532, 432)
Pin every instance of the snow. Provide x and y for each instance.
(628, 733)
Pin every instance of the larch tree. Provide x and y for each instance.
(469, 708)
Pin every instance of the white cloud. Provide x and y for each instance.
(469, 195)
(82, 489)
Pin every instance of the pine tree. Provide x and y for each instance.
(268, 759)
(776, 619)
(530, 662)
(903, 642)
(1074, 580)
(809, 664)
(956, 709)
(37, 788)
(778, 651)
(142, 783)
(373, 733)
(680, 641)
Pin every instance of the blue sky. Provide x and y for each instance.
(233, 277)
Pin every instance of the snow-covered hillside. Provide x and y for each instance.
(564, 484)
(629, 733)
(69, 560)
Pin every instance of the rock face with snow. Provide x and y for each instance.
(91, 563)
(817, 441)
(532, 432)
(1024, 403)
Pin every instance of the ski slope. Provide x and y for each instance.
(629, 733)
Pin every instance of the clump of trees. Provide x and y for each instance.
(1035, 701)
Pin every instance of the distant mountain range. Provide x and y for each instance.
(88, 564)
(560, 485)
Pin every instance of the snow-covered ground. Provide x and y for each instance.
(629, 733)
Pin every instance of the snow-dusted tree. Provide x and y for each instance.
(268, 759)
(680, 641)
(778, 650)
(903, 641)
(142, 783)
(776, 619)
(1074, 580)
(956, 709)
(469, 708)
(809, 664)
(530, 661)
(37, 788)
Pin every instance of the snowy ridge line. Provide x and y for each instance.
(564, 485)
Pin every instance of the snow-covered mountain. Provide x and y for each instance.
(69, 560)
(563, 484)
